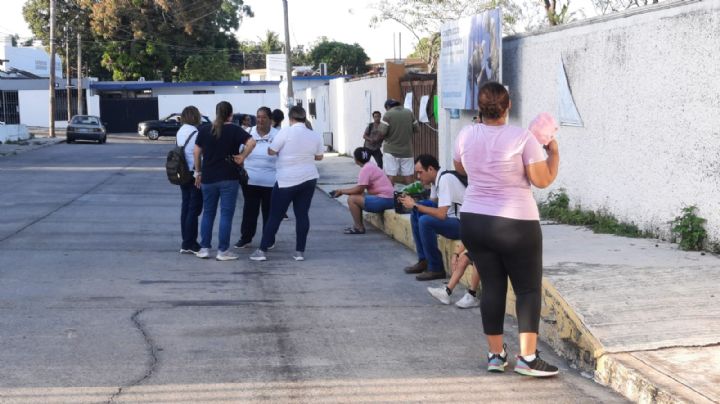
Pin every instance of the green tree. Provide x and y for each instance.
(555, 16)
(425, 17)
(209, 68)
(71, 18)
(341, 58)
(428, 49)
(144, 36)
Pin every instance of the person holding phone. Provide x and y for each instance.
(371, 179)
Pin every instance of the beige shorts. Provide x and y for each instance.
(398, 166)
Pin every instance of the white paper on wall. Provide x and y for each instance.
(409, 101)
(423, 108)
(567, 110)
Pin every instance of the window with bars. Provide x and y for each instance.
(61, 104)
(9, 107)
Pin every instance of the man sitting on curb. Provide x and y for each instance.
(439, 215)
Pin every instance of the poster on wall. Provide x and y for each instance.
(470, 56)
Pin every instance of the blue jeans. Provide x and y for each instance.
(425, 230)
(192, 204)
(226, 192)
(301, 196)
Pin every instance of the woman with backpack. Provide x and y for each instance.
(217, 175)
(192, 201)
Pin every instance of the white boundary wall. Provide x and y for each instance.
(353, 103)
(647, 86)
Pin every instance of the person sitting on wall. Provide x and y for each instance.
(439, 215)
(460, 262)
(379, 189)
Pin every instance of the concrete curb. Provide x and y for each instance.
(563, 329)
(13, 149)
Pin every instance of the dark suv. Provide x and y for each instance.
(167, 126)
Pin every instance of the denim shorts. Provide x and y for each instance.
(376, 204)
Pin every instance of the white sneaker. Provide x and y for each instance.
(468, 301)
(298, 256)
(440, 294)
(226, 255)
(258, 255)
(203, 253)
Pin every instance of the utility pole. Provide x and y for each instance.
(51, 128)
(290, 94)
(79, 78)
(67, 74)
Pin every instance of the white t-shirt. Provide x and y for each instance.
(182, 135)
(449, 191)
(259, 165)
(297, 147)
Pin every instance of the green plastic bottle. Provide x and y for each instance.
(414, 189)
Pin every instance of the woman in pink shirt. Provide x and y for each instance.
(499, 223)
(379, 189)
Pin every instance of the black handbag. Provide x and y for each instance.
(242, 174)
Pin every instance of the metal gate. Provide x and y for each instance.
(425, 142)
(124, 114)
(9, 107)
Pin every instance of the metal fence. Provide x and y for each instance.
(419, 85)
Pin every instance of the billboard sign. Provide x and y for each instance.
(470, 56)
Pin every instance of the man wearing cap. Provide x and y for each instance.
(397, 127)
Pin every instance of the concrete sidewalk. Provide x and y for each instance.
(641, 314)
(38, 140)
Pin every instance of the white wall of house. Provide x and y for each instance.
(28, 58)
(647, 87)
(352, 105)
(241, 102)
(34, 110)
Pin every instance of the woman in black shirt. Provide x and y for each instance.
(218, 145)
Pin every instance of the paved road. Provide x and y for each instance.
(97, 305)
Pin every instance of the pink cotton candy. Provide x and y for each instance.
(544, 127)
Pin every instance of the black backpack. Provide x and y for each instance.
(176, 165)
(460, 177)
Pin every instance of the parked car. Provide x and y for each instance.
(85, 127)
(167, 126)
(238, 118)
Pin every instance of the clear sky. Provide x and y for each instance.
(340, 20)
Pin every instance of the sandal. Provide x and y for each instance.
(353, 230)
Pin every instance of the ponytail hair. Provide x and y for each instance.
(362, 155)
(223, 111)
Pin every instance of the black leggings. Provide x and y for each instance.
(502, 248)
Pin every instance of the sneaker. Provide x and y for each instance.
(535, 368)
(189, 251)
(271, 247)
(203, 253)
(242, 244)
(468, 301)
(299, 256)
(258, 255)
(226, 255)
(440, 294)
(497, 362)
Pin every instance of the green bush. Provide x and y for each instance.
(690, 229)
(557, 208)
